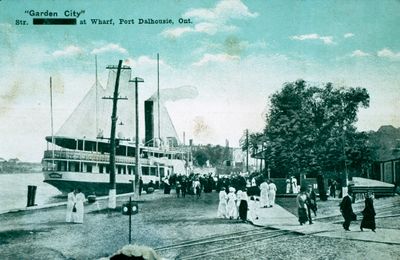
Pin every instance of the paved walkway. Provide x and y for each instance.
(279, 218)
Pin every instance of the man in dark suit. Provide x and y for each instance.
(347, 211)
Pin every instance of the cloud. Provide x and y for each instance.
(176, 32)
(359, 53)
(207, 58)
(143, 61)
(212, 20)
(68, 51)
(203, 27)
(389, 54)
(348, 35)
(314, 36)
(224, 10)
(111, 47)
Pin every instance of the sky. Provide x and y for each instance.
(235, 53)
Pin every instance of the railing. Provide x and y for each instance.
(86, 156)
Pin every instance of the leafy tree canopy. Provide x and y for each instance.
(311, 128)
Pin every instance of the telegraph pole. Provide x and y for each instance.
(247, 150)
(138, 170)
(113, 192)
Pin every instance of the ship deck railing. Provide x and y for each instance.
(77, 155)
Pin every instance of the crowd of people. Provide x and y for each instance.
(239, 198)
(243, 203)
(306, 202)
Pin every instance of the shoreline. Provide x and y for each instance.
(57, 204)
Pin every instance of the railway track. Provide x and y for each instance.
(223, 243)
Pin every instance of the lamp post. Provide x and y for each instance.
(138, 172)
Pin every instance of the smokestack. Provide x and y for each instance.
(149, 122)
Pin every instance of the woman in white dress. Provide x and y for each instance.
(231, 207)
(264, 194)
(70, 205)
(80, 198)
(253, 206)
(294, 185)
(243, 206)
(222, 211)
(271, 193)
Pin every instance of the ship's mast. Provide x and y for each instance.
(97, 109)
(52, 127)
(96, 104)
(158, 98)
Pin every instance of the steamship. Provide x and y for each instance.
(78, 155)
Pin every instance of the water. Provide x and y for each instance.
(14, 190)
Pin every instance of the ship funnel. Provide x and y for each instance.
(149, 122)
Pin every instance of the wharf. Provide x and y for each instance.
(279, 218)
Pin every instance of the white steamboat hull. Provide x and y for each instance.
(89, 183)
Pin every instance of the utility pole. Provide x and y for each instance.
(138, 169)
(112, 203)
(247, 150)
(345, 185)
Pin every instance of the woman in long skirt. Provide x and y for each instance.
(368, 220)
(70, 205)
(231, 207)
(222, 211)
(238, 198)
(264, 188)
(243, 206)
(271, 193)
(253, 205)
(80, 198)
(302, 206)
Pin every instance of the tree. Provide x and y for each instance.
(201, 157)
(255, 140)
(311, 128)
(216, 155)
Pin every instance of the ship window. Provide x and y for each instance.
(145, 170)
(89, 168)
(73, 166)
(58, 164)
(63, 166)
(162, 173)
(101, 168)
(153, 171)
(119, 169)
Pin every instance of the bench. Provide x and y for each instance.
(377, 191)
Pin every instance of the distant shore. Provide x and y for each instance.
(22, 172)
(11, 167)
